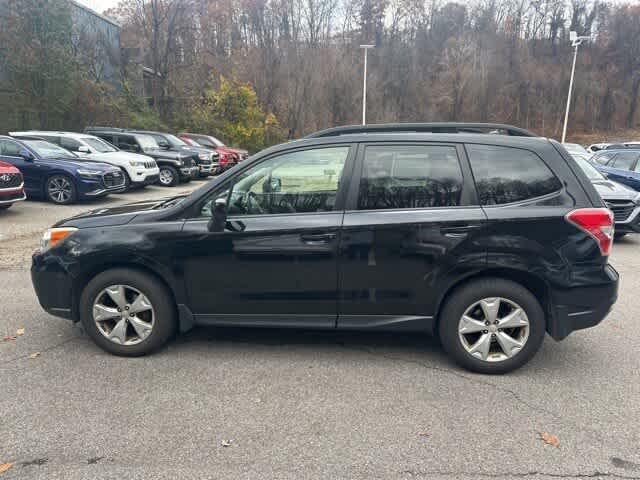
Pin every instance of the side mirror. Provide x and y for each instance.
(218, 216)
(83, 149)
(275, 185)
(163, 145)
(137, 148)
(26, 154)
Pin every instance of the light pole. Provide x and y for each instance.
(364, 88)
(575, 43)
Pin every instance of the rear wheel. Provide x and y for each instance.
(60, 189)
(169, 176)
(492, 325)
(127, 312)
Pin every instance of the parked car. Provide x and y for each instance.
(57, 175)
(232, 155)
(206, 160)
(619, 165)
(226, 159)
(488, 241)
(576, 148)
(11, 185)
(173, 167)
(623, 201)
(139, 170)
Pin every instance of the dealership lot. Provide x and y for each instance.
(226, 403)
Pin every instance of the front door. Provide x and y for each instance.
(275, 263)
(410, 226)
(31, 170)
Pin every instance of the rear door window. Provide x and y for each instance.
(625, 160)
(70, 144)
(605, 158)
(507, 174)
(409, 176)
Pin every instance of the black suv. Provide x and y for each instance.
(487, 240)
(175, 167)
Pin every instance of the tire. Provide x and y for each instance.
(162, 315)
(169, 176)
(5, 207)
(462, 302)
(127, 181)
(60, 189)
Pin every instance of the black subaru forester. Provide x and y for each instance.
(480, 233)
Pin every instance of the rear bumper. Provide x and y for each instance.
(582, 307)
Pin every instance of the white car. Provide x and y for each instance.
(140, 170)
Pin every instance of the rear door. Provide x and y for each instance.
(411, 220)
(620, 169)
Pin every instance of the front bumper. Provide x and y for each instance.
(582, 307)
(146, 177)
(53, 285)
(189, 172)
(631, 224)
(12, 195)
(207, 169)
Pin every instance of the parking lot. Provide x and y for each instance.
(230, 403)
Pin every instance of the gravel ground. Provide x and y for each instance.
(230, 403)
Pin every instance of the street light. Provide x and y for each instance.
(364, 88)
(576, 41)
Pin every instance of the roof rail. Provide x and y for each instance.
(106, 129)
(437, 127)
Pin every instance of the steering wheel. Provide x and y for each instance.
(253, 203)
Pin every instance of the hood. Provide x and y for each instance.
(8, 168)
(609, 190)
(160, 153)
(120, 156)
(113, 216)
(75, 164)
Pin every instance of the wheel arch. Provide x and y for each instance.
(538, 287)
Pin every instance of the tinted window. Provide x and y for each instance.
(410, 176)
(70, 144)
(126, 142)
(298, 182)
(505, 174)
(625, 160)
(11, 148)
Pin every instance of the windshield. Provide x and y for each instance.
(48, 150)
(174, 141)
(98, 145)
(216, 142)
(147, 142)
(589, 169)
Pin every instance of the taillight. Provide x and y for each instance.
(597, 222)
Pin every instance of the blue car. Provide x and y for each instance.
(55, 174)
(622, 166)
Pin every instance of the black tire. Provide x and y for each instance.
(55, 184)
(474, 291)
(127, 181)
(5, 207)
(165, 323)
(168, 172)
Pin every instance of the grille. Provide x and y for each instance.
(150, 164)
(621, 209)
(10, 180)
(115, 179)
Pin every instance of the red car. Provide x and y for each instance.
(11, 185)
(228, 156)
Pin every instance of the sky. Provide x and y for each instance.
(99, 5)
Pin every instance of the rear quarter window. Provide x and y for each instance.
(506, 174)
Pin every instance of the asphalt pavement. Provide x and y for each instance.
(254, 404)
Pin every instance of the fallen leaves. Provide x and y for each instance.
(20, 332)
(8, 338)
(34, 355)
(549, 439)
(226, 443)
(5, 466)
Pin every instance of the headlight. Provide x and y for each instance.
(180, 162)
(53, 236)
(89, 173)
(136, 163)
(203, 156)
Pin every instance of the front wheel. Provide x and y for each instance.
(60, 189)
(127, 312)
(492, 326)
(169, 176)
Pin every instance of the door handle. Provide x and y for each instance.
(317, 237)
(459, 231)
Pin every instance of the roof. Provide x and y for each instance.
(49, 133)
(93, 12)
(434, 127)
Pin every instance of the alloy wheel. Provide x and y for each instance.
(166, 177)
(123, 314)
(60, 189)
(494, 329)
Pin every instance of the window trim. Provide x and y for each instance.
(526, 200)
(468, 195)
(193, 211)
